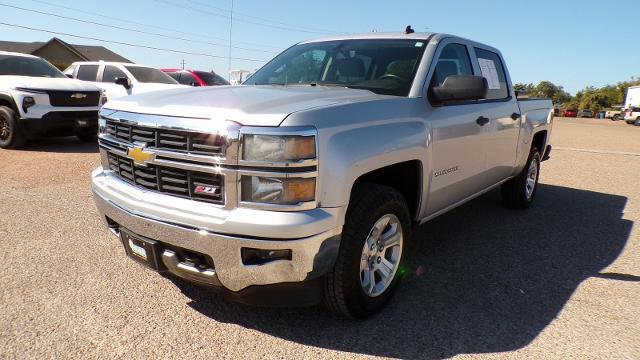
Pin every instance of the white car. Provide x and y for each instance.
(121, 79)
(37, 99)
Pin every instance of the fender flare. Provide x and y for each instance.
(12, 103)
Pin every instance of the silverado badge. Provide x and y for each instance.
(139, 156)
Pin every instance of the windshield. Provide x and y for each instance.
(382, 66)
(150, 75)
(211, 78)
(28, 66)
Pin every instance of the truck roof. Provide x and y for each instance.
(375, 35)
(397, 35)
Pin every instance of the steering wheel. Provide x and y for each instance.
(393, 76)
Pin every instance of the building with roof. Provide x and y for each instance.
(61, 53)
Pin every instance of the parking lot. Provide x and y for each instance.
(561, 280)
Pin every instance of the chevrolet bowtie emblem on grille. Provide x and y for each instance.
(140, 156)
(78, 96)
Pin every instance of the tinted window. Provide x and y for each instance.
(492, 69)
(27, 66)
(150, 75)
(69, 71)
(111, 73)
(381, 66)
(453, 60)
(211, 78)
(174, 75)
(187, 79)
(87, 72)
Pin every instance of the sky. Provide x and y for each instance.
(571, 43)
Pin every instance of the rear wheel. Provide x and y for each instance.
(615, 117)
(11, 136)
(372, 252)
(519, 192)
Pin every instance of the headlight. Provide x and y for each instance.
(102, 125)
(278, 191)
(278, 148)
(27, 102)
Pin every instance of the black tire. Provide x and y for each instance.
(615, 117)
(88, 135)
(514, 191)
(11, 135)
(343, 293)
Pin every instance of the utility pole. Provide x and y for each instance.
(182, 63)
(230, 32)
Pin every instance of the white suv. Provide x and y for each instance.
(37, 99)
(120, 79)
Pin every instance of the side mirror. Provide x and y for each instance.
(124, 81)
(460, 88)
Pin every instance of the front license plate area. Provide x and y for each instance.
(145, 251)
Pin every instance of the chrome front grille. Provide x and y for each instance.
(199, 186)
(165, 139)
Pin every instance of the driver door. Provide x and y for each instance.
(459, 143)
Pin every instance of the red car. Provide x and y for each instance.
(570, 113)
(196, 77)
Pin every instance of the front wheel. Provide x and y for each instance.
(519, 192)
(615, 117)
(372, 252)
(11, 136)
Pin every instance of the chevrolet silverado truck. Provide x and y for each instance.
(38, 99)
(302, 185)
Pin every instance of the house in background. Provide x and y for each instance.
(62, 54)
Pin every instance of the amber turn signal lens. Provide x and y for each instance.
(301, 147)
(299, 190)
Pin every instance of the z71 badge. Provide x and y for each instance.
(205, 190)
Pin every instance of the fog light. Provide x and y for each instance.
(27, 102)
(260, 256)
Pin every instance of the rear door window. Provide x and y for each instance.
(492, 69)
(87, 72)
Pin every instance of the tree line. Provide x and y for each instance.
(596, 99)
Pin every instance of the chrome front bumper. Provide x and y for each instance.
(185, 224)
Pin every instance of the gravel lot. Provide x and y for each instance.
(561, 280)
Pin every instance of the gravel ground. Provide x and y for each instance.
(561, 280)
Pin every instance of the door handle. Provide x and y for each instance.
(515, 116)
(482, 120)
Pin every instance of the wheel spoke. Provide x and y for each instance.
(392, 237)
(386, 268)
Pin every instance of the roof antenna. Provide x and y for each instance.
(409, 30)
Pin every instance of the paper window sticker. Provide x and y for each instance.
(489, 72)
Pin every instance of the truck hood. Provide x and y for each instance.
(262, 105)
(43, 83)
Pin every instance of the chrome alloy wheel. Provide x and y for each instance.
(381, 255)
(5, 131)
(532, 176)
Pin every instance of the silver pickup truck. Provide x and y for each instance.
(302, 185)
